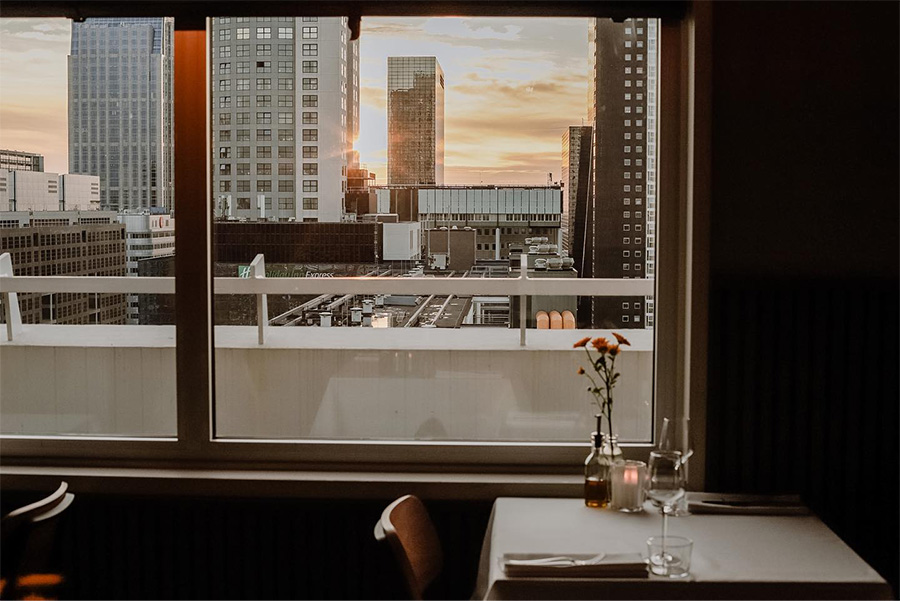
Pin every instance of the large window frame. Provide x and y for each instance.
(680, 299)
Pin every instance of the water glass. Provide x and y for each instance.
(669, 557)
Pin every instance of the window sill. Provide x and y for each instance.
(291, 484)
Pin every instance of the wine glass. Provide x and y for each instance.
(665, 487)
(676, 436)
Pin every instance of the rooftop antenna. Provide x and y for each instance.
(550, 178)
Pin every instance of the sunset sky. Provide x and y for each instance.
(512, 87)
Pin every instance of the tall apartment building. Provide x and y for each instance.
(415, 103)
(285, 103)
(621, 217)
(66, 243)
(45, 191)
(16, 160)
(575, 173)
(120, 109)
(147, 235)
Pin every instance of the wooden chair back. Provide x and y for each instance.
(414, 541)
(27, 536)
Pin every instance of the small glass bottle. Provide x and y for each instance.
(605, 452)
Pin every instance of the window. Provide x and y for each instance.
(285, 169)
(626, 306)
(243, 50)
(225, 135)
(310, 50)
(263, 66)
(263, 100)
(243, 203)
(310, 100)
(243, 168)
(310, 83)
(263, 134)
(286, 204)
(243, 185)
(285, 185)
(310, 152)
(225, 169)
(310, 66)
(243, 119)
(243, 33)
(264, 169)
(243, 101)
(224, 35)
(310, 204)
(286, 83)
(264, 152)
(224, 68)
(263, 83)
(224, 51)
(285, 118)
(310, 169)
(243, 135)
(285, 135)
(263, 33)
(264, 185)
(310, 135)
(243, 84)
(285, 152)
(310, 185)
(224, 118)
(626, 266)
(224, 152)
(224, 102)
(263, 118)
(285, 50)
(285, 33)
(310, 118)
(264, 49)
(310, 33)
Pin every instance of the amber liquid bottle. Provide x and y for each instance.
(597, 472)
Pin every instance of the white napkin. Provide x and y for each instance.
(624, 565)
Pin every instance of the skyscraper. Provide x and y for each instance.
(575, 173)
(415, 105)
(120, 109)
(621, 216)
(285, 102)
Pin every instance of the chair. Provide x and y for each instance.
(26, 536)
(414, 541)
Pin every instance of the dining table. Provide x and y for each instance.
(734, 556)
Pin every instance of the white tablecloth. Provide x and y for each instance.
(734, 557)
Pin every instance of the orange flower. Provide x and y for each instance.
(621, 339)
(580, 371)
(581, 342)
(601, 344)
(614, 350)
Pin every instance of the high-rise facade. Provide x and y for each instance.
(575, 173)
(415, 103)
(285, 105)
(16, 160)
(120, 109)
(621, 216)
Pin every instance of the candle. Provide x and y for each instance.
(628, 486)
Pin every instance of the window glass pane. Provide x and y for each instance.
(314, 215)
(91, 193)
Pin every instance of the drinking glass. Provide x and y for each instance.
(665, 486)
(676, 436)
(678, 551)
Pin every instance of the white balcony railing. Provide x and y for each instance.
(260, 286)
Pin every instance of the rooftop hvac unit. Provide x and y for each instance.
(544, 248)
(325, 319)
(554, 263)
(379, 300)
(554, 248)
(540, 263)
(533, 249)
(367, 307)
(568, 262)
(356, 315)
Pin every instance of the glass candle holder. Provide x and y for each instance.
(627, 479)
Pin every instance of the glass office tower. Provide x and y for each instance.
(415, 120)
(120, 109)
